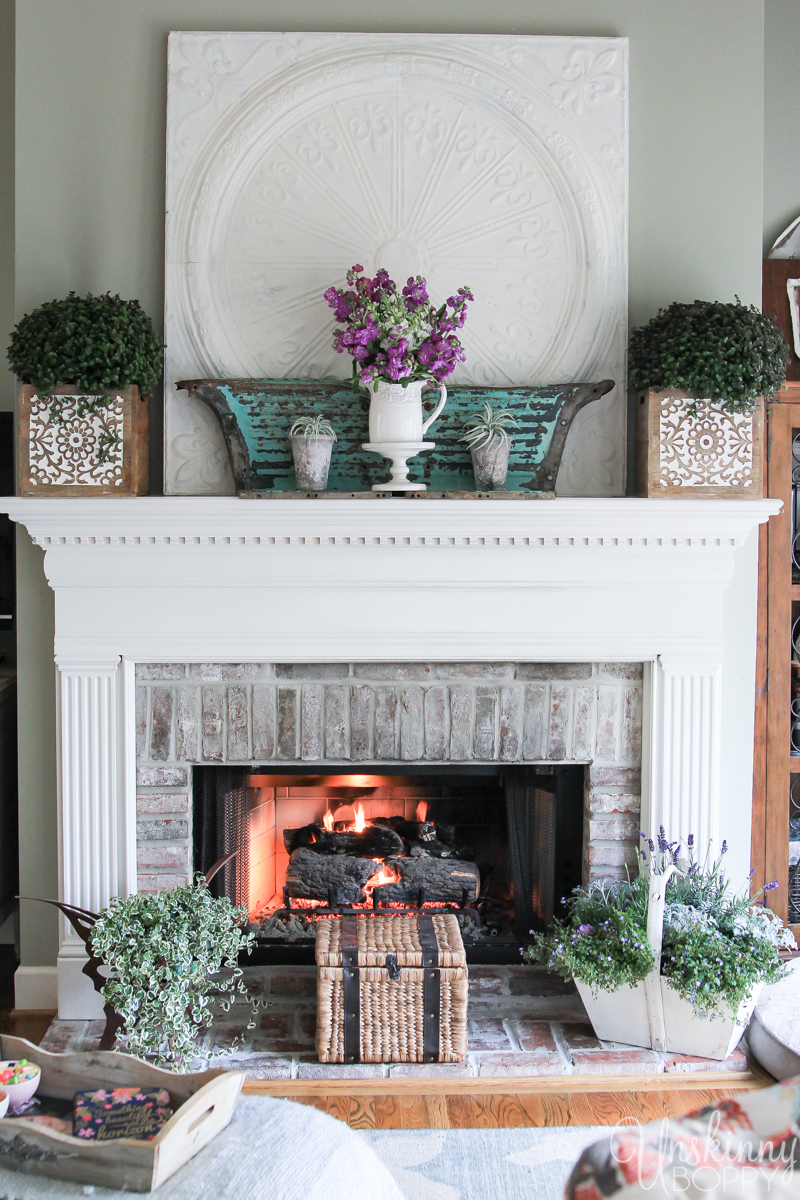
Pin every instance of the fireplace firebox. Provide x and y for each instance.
(498, 845)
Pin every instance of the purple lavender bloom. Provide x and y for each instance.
(770, 887)
(690, 840)
(584, 929)
(724, 847)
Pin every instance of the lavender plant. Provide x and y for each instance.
(717, 945)
(397, 336)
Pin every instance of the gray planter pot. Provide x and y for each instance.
(490, 464)
(312, 460)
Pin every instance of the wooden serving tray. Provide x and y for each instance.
(204, 1104)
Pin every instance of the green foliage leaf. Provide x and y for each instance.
(94, 342)
(169, 956)
(730, 353)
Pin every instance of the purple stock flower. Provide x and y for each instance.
(378, 339)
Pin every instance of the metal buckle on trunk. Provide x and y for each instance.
(392, 967)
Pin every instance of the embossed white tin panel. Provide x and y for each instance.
(499, 162)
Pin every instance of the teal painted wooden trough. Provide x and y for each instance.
(256, 414)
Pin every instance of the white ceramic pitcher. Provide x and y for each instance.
(395, 412)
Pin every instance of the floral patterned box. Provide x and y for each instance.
(712, 453)
(75, 444)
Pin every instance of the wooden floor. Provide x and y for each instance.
(506, 1103)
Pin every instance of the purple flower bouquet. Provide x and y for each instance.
(393, 336)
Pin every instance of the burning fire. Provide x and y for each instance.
(422, 810)
(327, 821)
(360, 821)
(385, 875)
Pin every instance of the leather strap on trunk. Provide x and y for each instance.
(431, 989)
(352, 1021)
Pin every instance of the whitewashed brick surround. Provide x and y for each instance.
(341, 714)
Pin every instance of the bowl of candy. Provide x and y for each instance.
(19, 1079)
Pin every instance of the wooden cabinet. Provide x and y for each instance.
(776, 779)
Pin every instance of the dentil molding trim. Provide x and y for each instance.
(569, 523)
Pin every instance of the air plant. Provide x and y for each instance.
(309, 427)
(489, 427)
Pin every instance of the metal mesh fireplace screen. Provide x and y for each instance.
(221, 825)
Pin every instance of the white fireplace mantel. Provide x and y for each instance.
(217, 579)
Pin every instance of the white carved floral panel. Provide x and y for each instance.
(712, 449)
(84, 451)
(497, 162)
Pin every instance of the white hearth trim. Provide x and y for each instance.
(225, 580)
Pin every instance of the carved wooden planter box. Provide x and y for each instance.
(716, 453)
(102, 453)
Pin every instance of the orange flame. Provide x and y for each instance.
(327, 821)
(422, 810)
(361, 821)
(385, 875)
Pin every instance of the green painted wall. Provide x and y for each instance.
(90, 118)
(781, 117)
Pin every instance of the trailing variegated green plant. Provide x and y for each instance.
(172, 957)
(309, 427)
(490, 427)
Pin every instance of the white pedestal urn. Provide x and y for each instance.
(397, 427)
(653, 1014)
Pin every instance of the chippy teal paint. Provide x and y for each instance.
(265, 410)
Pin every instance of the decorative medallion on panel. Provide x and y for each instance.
(500, 162)
(713, 449)
(76, 450)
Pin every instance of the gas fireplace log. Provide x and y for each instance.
(438, 849)
(376, 841)
(442, 879)
(310, 876)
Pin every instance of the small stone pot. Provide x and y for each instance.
(312, 460)
(490, 464)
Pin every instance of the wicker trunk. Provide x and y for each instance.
(391, 989)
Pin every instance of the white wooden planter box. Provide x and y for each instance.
(653, 1014)
(622, 1016)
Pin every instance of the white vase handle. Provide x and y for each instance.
(442, 399)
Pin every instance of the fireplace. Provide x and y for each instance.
(499, 846)
(238, 599)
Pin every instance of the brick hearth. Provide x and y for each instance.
(522, 1022)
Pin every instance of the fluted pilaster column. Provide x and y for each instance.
(682, 760)
(97, 809)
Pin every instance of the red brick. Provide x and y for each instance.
(162, 802)
(579, 1035)
(679, 1064)
(487, 1033)
(541, 1063)
(616, 1062)
(535, 1035)
(160, 883)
